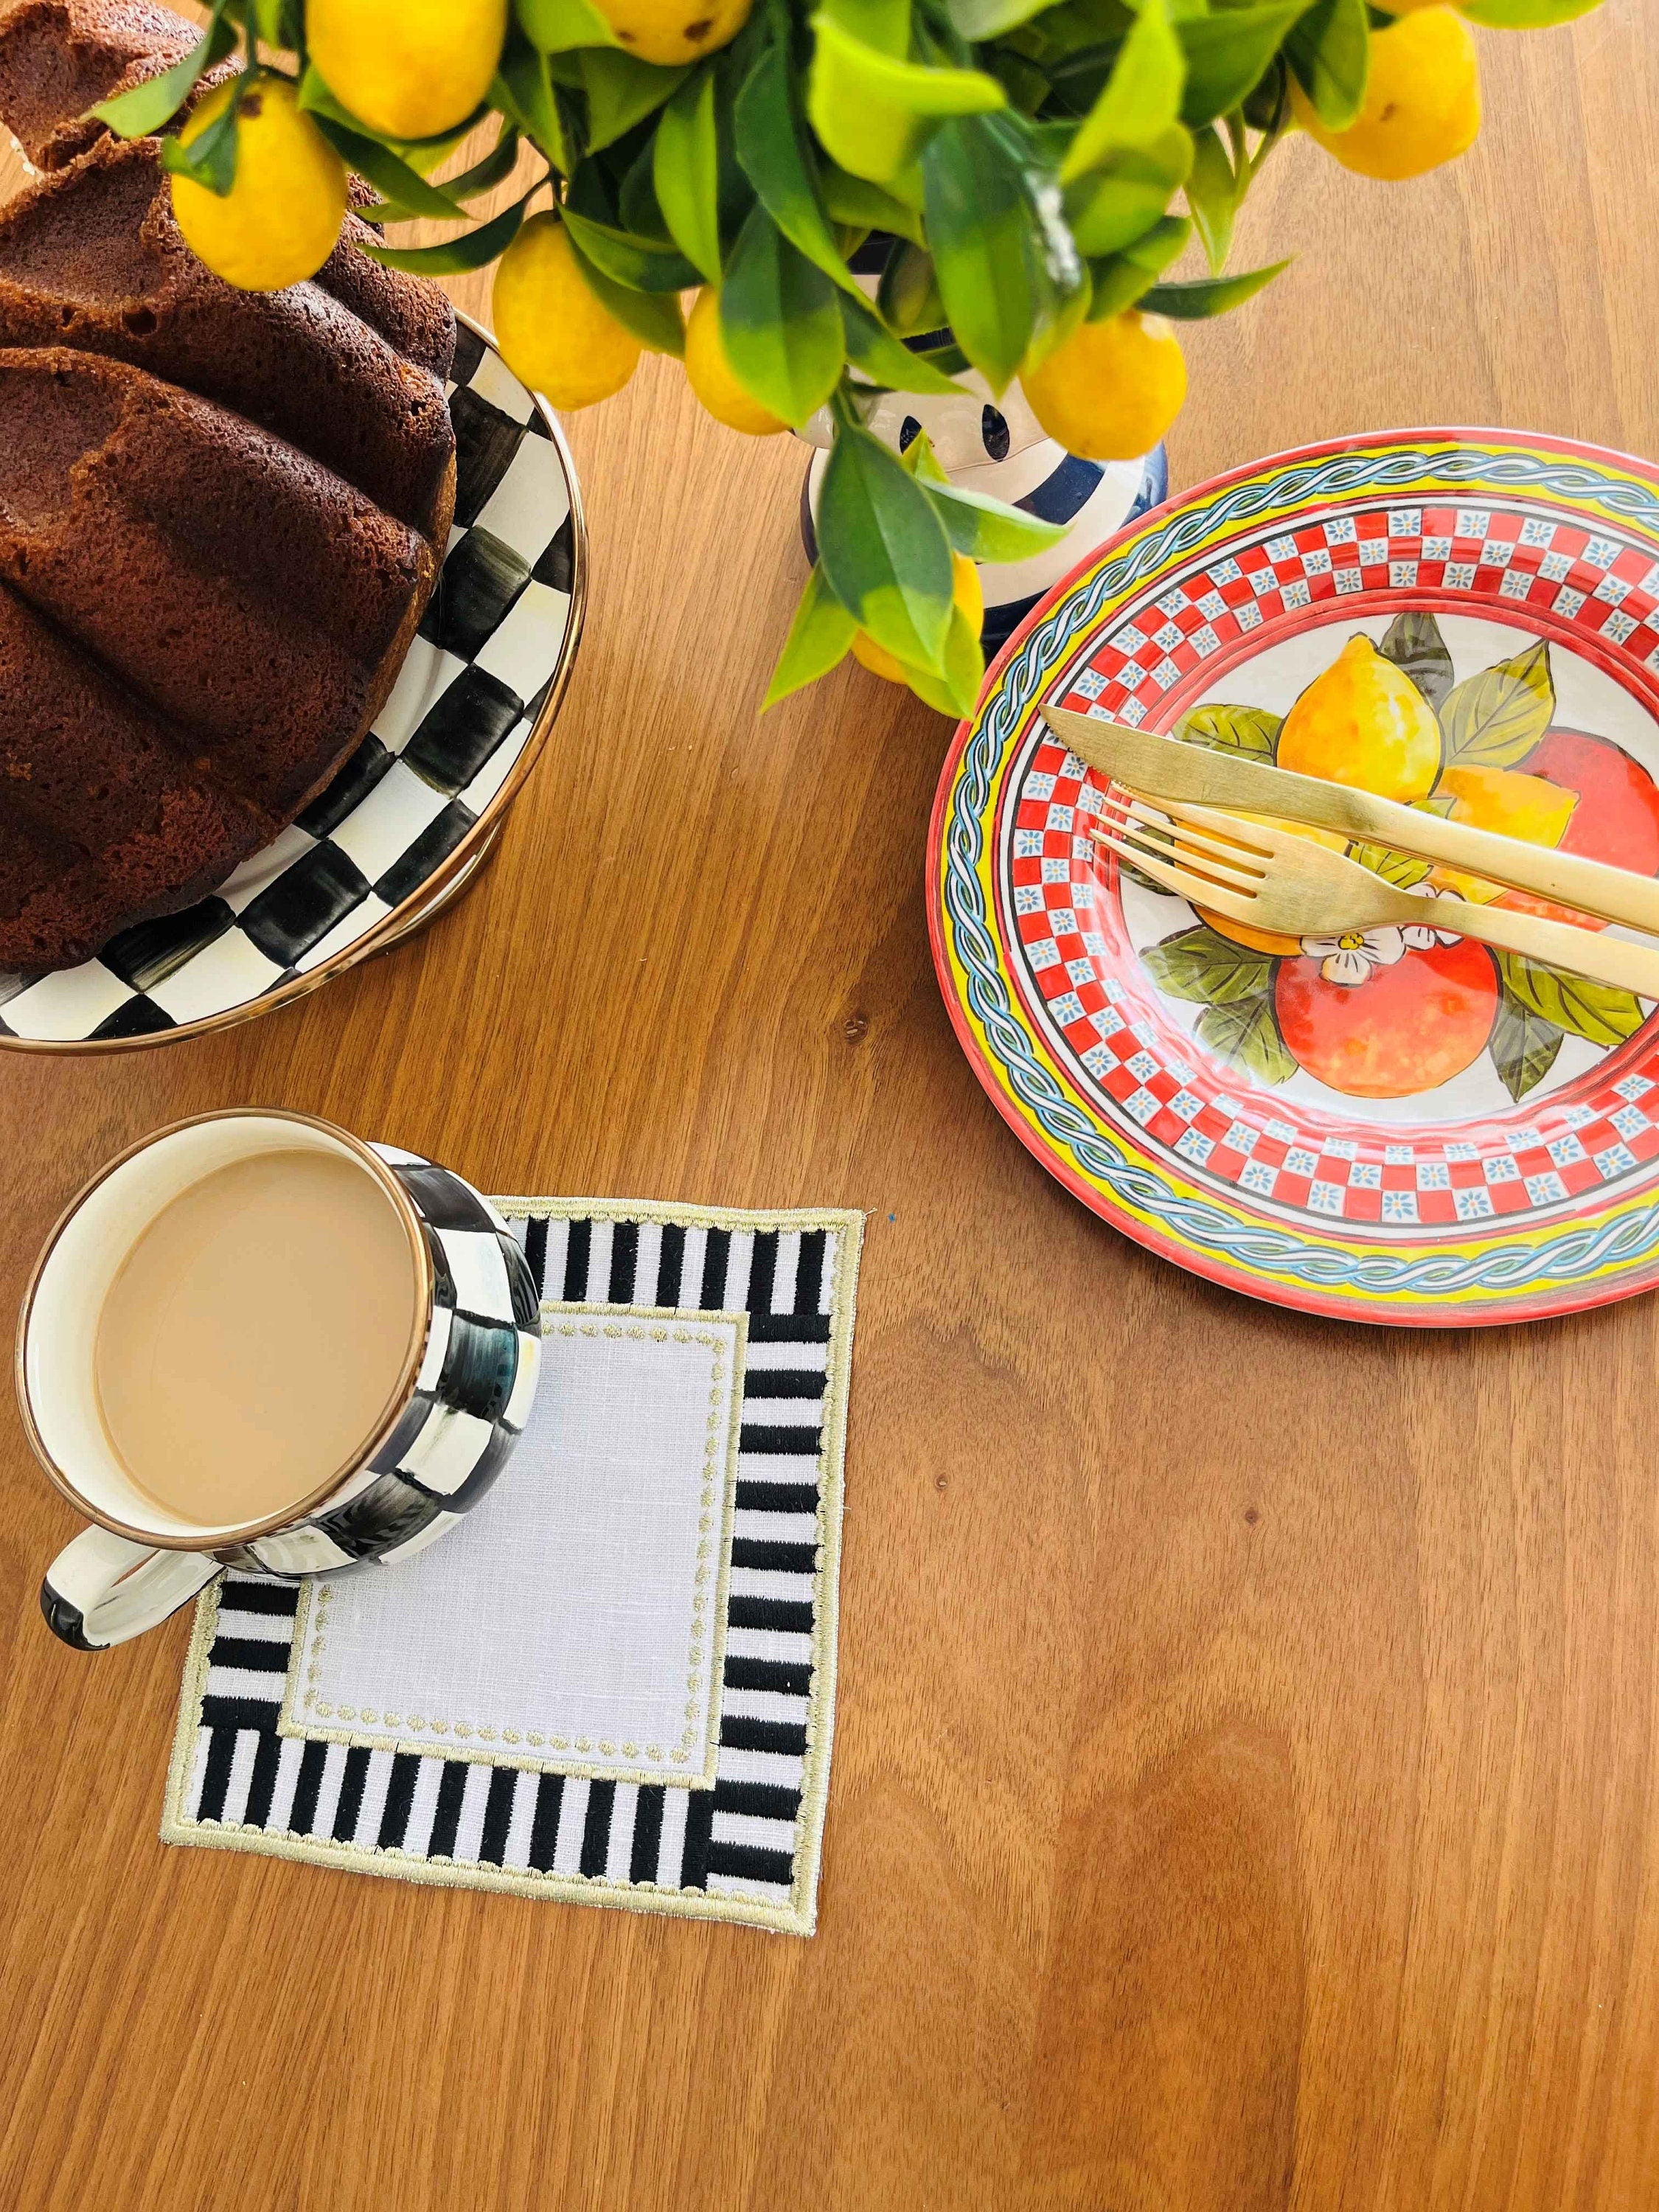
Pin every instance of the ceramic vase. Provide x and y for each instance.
(997, 445)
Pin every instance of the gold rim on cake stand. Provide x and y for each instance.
(458, 870)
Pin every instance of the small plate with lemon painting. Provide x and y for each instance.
(1391, 1125)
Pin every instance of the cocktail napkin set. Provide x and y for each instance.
(614, 1684)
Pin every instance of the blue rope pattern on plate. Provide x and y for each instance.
(1525, 1263)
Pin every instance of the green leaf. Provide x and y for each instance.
(210, 160)
(1118, 202)
(908, 296)
(884, 548)
(949, 359)
(922, 461)
(1523, 1046)
(863, 206)
(1599, 1012)
(641, 264)
(1267, 109)
(872, 112)
(621, 91)
(1245, 1032)
(1006, 266)
(819, 637)
(654, 318)
(1525, 15)
(773, 154)
(140, 112)
(1202, 965)
(405, 192)
(476, 250)
(1251, 732)
(637, 211)
(989, 19)
(779, 319)
(885, 359)
(279, 23)
(957, 691)
(1140, 99)
(1413, 641)
(1123, 278)
(524, 91)
(497, 167)
(1209, 295)
(1212, 195)
(987, 529)
(557, 27)
(883, 24)
(1228, 53)
(686, 171)
(1494, 718)
(1330, 50)
(1403, 869)
(1026, 86)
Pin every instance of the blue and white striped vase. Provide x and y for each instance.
(997, 445)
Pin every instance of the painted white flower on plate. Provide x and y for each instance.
(1349, 959)
(1421, 935)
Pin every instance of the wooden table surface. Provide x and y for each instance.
(1245, 1789)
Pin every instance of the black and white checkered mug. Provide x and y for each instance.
(464, 1398)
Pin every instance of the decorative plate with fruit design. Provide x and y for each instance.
(1392, 1124)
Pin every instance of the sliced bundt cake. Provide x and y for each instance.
(100, 807)
(260, 604)
(91, 258)
(221, 514)
(60, 57)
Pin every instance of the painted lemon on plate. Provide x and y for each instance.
(1397, 1013)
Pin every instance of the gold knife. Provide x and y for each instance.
(1165, 767)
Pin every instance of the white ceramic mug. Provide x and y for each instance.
(461, 1401)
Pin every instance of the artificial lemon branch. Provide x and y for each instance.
(1030, 170)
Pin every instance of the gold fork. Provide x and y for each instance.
(1267, 876)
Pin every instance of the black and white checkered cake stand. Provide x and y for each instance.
(412, 813)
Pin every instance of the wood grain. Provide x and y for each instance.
(1245, 1790)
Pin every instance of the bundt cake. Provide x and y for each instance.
(261, 604)
(100, 805)
(60, 57)
(221, 513)
(91, 258)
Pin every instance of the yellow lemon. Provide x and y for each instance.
(967, 592)
(1113, 389)
(1272, 940)
(409, 68)
(674, 32)
(1363, 722)
(279, 221)
(1422, 104)
(709, 373)
(553, 333)
(1530, 807)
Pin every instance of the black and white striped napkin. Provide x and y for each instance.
(261, 1763)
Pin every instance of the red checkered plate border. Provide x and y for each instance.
(1460, 1205)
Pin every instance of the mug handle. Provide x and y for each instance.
(101, 1589)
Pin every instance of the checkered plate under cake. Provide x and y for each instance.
(290, 588)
